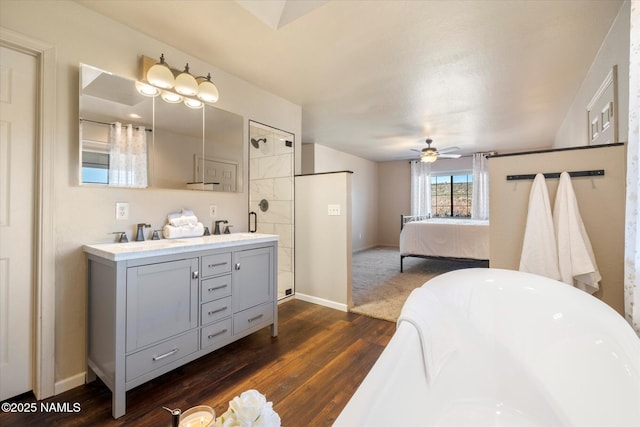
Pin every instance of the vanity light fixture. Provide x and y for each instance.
(170, 97)
(147, 90)
(160, 75)
(184, 87)
(193, 103)
(207, 91)
(185, 83)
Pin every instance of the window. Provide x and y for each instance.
(451, 195)
(95, 167)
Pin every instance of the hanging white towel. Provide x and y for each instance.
(575, 256)
(539, 250)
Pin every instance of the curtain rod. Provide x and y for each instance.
(598, 172)
(553, 150)
(110, 124)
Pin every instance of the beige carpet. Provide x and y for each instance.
(379, 289)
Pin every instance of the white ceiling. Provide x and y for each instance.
(376, 77)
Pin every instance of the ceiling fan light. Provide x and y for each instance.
(160, 75)
(429, 157)
(185, 83)
(170, 97)
(207, 91)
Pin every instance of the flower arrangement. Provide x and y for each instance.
(250, 409)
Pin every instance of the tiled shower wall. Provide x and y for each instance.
(271, 179)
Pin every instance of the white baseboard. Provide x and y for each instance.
(322, 301)
(69, 383)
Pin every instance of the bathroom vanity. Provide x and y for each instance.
(156, 305)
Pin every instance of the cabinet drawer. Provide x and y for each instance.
(215, 310)
(161, 354)
(215, 288)
(216, 264)
(216, 334)
(260, 315)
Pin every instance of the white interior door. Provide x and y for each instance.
(17, 166)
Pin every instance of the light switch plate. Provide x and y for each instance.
(333, 210)
(122, 211)
(213, 211)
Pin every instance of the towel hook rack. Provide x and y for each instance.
(596, 172)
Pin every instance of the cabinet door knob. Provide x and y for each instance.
(195, 275)
(238, 266)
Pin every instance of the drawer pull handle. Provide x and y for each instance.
(218, 264)
(216, 334)
(162, 356)
(255, 318)
(217, 311)
(216, 288)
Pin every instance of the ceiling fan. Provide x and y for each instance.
(431, 154)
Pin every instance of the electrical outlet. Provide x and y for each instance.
(213, 211)
(122, 211)
(333, 209)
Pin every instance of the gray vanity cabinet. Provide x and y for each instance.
(254, 292)
(152, 311)
(162, 301)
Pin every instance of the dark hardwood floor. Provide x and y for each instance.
(309, 372)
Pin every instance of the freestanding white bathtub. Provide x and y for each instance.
(494, 347)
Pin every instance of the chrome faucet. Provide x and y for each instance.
(216, 230)
(123, 236)
(140, 232)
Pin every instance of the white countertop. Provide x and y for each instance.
(148, 248)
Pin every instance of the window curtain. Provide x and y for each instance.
(480, 198)
(127, 156)
(420, 188)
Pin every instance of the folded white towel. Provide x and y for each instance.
(539, 250)
(577, 263)
(183, 218)
(436, 326)
(189, 230)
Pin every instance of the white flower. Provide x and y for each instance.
(250, 409)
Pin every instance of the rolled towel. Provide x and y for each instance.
(190, 230)
(183, 218)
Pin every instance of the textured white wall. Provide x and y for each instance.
(86, 214)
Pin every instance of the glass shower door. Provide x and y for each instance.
(271, 165)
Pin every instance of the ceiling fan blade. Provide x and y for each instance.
(415, 149)
(448, 150)
(449, 156)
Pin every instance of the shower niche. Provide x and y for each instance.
(271, 166)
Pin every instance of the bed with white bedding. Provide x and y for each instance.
(491, 347)
(444, 238)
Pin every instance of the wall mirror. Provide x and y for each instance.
(131, 140)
